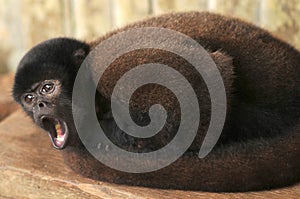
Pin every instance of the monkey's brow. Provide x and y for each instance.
(34, 87)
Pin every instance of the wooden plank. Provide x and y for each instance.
(7, 106)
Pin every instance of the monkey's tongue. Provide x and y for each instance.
(57, 130)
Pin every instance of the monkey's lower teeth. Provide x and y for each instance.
(61, 139)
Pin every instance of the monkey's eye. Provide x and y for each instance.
(47, 88)
(29, 98)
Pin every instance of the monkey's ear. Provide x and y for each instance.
(79, 55)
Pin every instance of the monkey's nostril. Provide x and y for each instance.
(41, 105)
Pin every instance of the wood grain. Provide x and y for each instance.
(7, 105)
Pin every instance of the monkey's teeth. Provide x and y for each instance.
(59, 131)
(59, 134)
(61, 139)
(57, 127)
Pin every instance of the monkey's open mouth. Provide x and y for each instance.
(57, 131)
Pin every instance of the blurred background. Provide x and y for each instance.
(24, 23)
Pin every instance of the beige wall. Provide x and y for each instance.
(24, 23)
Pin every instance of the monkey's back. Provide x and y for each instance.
(262, 87)
(262, 84)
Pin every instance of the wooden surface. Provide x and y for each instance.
(7, 106)
(31, 168)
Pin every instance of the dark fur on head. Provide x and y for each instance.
(57, 58)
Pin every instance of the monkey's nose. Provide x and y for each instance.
(42, 104)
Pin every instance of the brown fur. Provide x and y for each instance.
(259, 146)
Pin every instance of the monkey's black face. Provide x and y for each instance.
(44, 83)
(42, 101)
